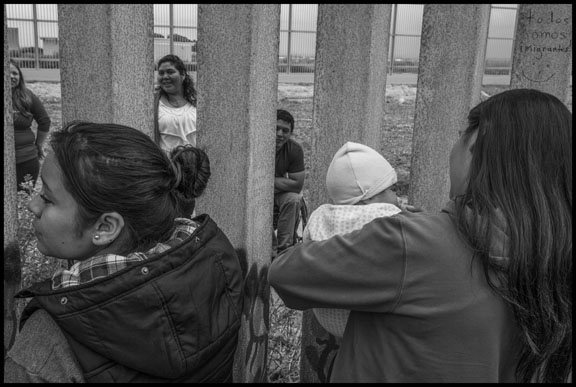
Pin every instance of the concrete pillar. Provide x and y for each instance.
(450, 74)
(542, 53)
(349, 102)
(12, 271)
(237, 92)
(107, 63)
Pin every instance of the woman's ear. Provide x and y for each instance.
(107, 228)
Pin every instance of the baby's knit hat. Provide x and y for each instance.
(358, 172)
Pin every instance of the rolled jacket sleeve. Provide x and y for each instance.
(41, 354)
(363, 270)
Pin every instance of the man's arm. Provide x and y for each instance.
(292, 183)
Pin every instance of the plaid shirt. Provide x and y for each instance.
(103, 265)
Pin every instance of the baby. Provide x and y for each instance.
(359, 182)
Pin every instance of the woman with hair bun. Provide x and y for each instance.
(152, 296)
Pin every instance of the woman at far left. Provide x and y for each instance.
(27, 108)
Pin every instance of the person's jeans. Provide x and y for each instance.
(289, 205)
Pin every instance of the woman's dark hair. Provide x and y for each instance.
(21, 99)
(188, 84)
(109, 167)
(521, 173)
(193, 163)
(285, 116)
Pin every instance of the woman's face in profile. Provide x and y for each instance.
(55, 212)
(14, 76)
(460, 158)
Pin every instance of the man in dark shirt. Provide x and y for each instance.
(288, 180)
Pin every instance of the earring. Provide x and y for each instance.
(96, 236)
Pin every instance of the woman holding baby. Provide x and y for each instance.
(478, 292)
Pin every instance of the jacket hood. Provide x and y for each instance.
(162, 317)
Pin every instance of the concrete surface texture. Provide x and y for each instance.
(451, 54)
(105, 78)
(542, 53)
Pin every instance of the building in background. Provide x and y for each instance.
(13, 41)
(186, 50)
(50, 47)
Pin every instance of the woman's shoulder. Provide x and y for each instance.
(32, 95)
(425, 227)
(39, 112)
(293, 144)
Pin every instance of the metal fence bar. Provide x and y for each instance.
(509, 59)
(400, 36)
(392, 40)
(289, 56)
(24, 23)
(35, 26)
(297, 37)
(171, 16)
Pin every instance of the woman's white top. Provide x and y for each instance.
(177, 126)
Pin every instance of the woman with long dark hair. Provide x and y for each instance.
(27, 108)
(174, 105)
(152, 295)
(479, 292)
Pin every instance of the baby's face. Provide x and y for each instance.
(386, 196)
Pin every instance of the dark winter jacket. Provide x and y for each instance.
(174, 317)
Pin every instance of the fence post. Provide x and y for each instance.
(103, 83)
(542, 53)
(349, 100)
(12, 269)
(237, 93)
(450, 73)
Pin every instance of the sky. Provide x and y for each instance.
(303, 21)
